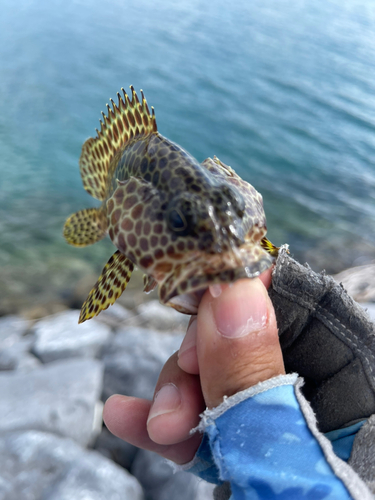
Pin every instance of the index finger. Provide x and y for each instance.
(126, 417)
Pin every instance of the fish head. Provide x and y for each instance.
(213, 221)
(223, 229)
(189, 240)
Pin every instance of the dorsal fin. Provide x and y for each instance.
(127, 120)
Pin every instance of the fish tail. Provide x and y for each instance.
(86, 226)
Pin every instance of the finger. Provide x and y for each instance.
(178, 401)
(237, 340)
(126, 418)
(266, 277)
(187, 354)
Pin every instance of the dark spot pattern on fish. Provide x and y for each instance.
(187, 224)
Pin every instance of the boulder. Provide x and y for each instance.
(359, 282)
(60, 336)
(159, 481)
(12, 325)
(369, 307)
(61, 397)
(115, 316)
(133, 361)
(15, 344)
(141, 342)
(161, 317)
(116, 449)
(18, 357)
(35, 464)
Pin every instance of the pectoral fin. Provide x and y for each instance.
(110, 285)
(86, 227)
(149, 283)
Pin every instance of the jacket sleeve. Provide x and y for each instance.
(265, 443)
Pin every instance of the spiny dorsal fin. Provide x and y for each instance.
(127, 120)
(218, 167)
(110, 285)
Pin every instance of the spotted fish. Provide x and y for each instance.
(186, 225)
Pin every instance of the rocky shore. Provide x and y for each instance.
(55, 376)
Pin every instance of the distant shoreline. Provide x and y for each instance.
(46, 300)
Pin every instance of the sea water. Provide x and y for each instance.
(283, 91)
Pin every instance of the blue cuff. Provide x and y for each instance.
(263, 446)
(203, 464)
(342, 440)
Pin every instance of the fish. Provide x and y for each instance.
(186, 225)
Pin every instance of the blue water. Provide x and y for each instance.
(283, 91)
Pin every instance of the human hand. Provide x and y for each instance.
(232, 344)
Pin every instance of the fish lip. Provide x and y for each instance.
(187, 303)
(228, 275)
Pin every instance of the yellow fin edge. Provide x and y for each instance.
(123, 122)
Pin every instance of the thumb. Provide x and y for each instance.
(237, 340)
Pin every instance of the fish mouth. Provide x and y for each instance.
(184, 288)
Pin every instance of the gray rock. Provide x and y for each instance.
(359, 282)
(18, 357)
(160, 482)
(61, 397)
(162, 318)
(370, 308)
(116, 449)
(60, 336)
(205, 490)
(115, 316)
(35, 465)
(13, 325)
(15, 344)
(133, 361)
(125, 374)
(141, 342)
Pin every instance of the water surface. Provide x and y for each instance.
(283, 91)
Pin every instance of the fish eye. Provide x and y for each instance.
(176, 221)
(235, 198)
(181, 216)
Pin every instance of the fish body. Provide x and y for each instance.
(186, 224)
